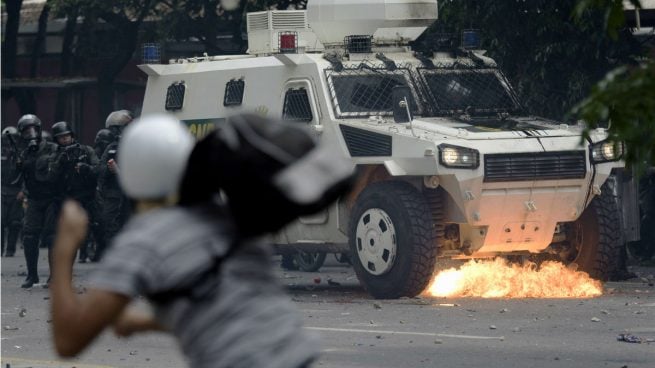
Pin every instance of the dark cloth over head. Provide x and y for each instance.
(271, 172)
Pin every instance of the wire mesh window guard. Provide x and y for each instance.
(468, 90)
(234, 93)
(367, 91)
(297, 106)
(175, 96)
(358, 44)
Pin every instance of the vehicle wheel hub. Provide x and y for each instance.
(376, 241)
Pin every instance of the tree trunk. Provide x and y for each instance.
(69, 37)
(209, 22)
(10, 42)
(39, 43)
(66, 61)
(112, 69)
(10, 46)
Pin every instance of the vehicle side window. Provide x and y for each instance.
(175, 96)
(234, 93)
(296, 106)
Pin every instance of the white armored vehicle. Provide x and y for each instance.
(448, 167)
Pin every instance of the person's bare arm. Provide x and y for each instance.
(77, 320)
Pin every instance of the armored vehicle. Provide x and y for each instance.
(448, 165)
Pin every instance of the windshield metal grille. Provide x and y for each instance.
(367, 90)
(535, 166)
(467, 90)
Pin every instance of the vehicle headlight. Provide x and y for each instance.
(458, 157)
(606, 151)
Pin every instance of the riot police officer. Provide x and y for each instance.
(115, 205)
(46, 136)
(103, 138)
(12, 194)
(77, 166)
(39, 183)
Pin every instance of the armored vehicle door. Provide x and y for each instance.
(299, 105)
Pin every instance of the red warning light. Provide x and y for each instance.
(288, 42)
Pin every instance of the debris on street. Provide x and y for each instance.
(630, 338)
(333, 283)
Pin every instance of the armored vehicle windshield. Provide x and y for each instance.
(475, 91)
(366, 90)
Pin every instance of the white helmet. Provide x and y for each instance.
(118, 118)
(152, 156)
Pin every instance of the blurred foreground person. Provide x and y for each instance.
(200, 263)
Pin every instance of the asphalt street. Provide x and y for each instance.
(357, 331)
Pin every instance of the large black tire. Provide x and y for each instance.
(310, 261)
(401, 208)
(598, 236)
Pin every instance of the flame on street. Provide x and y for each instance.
(499, 279)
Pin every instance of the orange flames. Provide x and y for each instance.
(499, 279)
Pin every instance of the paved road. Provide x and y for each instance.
(360, 332)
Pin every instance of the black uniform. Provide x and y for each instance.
(116, 207)
(77, 165)
(39, 177)
(12, 206)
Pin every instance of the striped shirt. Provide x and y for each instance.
(246, 320)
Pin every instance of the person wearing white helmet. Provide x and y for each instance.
(210, 281)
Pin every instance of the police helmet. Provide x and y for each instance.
(27, 121)
(254, 160)
(61, 128)
(118, 118)
(104, 136)
(10, 130)
(153, 155)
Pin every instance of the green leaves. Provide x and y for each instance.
(613, 13)
(625, 99)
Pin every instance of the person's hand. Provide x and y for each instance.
(72, 228)
(133, 320)
(125, 325)
(113, 167)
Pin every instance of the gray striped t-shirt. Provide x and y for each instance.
(247, 322)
